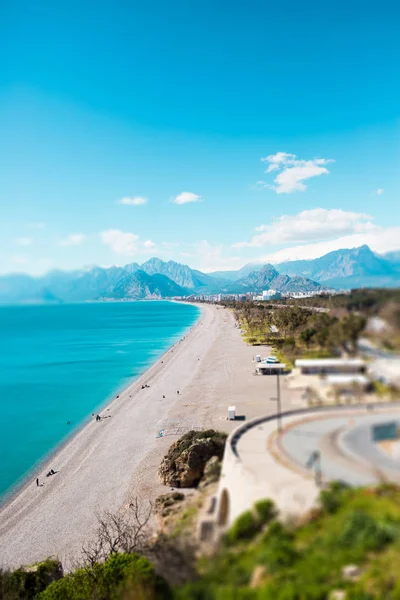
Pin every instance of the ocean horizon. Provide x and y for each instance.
(61, 363)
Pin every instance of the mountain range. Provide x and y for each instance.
(343, 269)
(348, 268)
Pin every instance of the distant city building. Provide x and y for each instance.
(271, 295)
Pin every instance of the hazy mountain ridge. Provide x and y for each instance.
(184, 276)
(357, 267)
(269, 278)
(340, 269)
(81, 286)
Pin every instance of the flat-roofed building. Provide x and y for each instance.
(327, 366)
(348, 381)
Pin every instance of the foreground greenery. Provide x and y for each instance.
(273, 561)
(259, 558)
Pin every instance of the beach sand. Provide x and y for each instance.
(108, 463)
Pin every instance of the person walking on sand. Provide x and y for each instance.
(37, 482)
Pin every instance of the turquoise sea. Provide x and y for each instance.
(61, 363)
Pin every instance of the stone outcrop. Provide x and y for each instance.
(186, 460)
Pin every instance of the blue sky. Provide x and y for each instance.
(210, 133)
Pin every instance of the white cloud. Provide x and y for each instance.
(381, 241)
(275, 160)
(186, 197)
(315, 224)
(379, 191)
(293, 171)
(149, 245)
(136, 201)
(74, 239)
(260, 185)
(24, 241)
(126, 244)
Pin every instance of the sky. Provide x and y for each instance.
(214, 133)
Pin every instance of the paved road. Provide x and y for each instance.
(347, 450)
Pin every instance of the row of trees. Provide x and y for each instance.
(300, 328)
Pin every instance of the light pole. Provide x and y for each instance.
(278, 404)
(278, 397)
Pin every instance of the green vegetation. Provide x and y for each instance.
(385, 391)
(301, 332)
(265, 511)
(187, 440)
(29, 582)
(121, 576)
(244, 528)
(260, 558)
(251, 522)
(368, 301)
(383, 303)
(332, 498)
(360, 527)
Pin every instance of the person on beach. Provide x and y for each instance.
(177, 391)
(37, 482)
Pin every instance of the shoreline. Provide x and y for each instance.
(19, 504)
(25, 480)
(107, 464)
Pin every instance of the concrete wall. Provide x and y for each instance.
(250, 472)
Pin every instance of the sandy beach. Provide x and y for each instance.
(109, 462)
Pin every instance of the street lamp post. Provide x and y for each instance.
(278, 404)
(278, 398)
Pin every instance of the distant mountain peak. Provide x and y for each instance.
(346, 268)
(269, 278)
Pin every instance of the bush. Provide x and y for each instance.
(265, 511)
(332, 498)
(363, 531)
(244, 528)
(27, 583)
(122, 575)
(278, 550)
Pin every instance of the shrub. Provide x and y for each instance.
(122, 575)
(331, 499)
(27, 583)
(363, 531)
(265, 511)
(244, 528)
(278, 550)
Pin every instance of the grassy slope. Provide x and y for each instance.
(306, 562)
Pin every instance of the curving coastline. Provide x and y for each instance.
(97, 463)
(108, 463)
(47, 458)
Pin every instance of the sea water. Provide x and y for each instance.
(61, 363)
